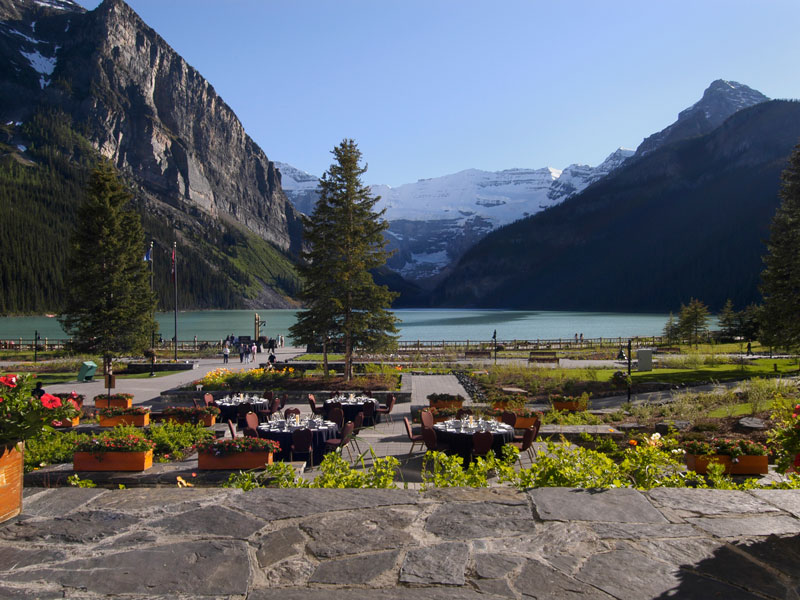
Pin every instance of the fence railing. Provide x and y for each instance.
(23, 344)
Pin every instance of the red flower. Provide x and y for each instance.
(9, 380)
(75, 404)
(50, 401)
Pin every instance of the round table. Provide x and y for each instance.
(281, 431)
(352, 407)
(457, 435)
(229, 406)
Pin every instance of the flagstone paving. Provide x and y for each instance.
(457, 543)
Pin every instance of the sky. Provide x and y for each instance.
(432, 87)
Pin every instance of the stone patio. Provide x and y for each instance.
(443, 544)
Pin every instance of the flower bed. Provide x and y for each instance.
(291, 379)
(239, 453)
(570, 403)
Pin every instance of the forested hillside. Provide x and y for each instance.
(686, 220)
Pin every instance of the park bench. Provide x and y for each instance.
(477, 354)
(667, 350)
(541, 356)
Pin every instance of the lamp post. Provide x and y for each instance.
(35, 345)
(494, 338)
(629, 369)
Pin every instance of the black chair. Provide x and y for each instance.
(526, 445)
(291, 411)
(337, 416)
(431, 441)
(318, 412)
(463, 412)
(387, 410)
(302, 440)
(482, 442)
(414, 438)
(343, 442)
(369, 413)
(509, 418)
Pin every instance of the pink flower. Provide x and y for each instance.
(50, 401)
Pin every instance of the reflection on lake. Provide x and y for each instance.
(416, 324)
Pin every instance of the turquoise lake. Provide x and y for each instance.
(416, 324)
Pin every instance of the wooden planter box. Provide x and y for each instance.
(205, 420)
(746, 465)
(446, 404)
(137, 420)
(11, 472)
(68, 423)
(112, 461)
(441, 419)
(208, 461)
(521, 423)
(114, 403)
(571, 406)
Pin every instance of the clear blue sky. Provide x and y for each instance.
(431, 87)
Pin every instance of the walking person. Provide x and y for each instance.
(226, 350)
(246, 352)
(253, 351)
(241, 353)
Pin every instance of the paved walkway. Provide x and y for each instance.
(474, 544)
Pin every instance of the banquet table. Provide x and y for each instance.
(352, 406)
(281, 431)
(229, 406)
(457, 434)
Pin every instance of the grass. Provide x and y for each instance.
(59, 378)
(736, 410)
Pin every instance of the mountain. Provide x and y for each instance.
(432, 222)
(198, 177)
(687, 219)
(720, 100)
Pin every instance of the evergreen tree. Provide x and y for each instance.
(693, 320)
(345, 242)
(671, 331)
(781, 275)
(109, 305)
(729, 321)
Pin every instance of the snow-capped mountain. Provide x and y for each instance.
(433, 221)
(720, 100)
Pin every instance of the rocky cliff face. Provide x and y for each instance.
(154, 116)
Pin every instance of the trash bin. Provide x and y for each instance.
(645, 360)
(87, 370)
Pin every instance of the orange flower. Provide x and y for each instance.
(633, 442)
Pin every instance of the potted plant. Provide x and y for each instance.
(116, 450)
(22, 417)
(739, 457)
(526, 418)
(79, 399)
(443, 414)
(204, 415)
(570, 402)
(113, 401)
(237, 453)
(445, 400)
(111, 417)
(507, 401)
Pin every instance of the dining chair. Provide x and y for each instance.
(431, 441)
(387, 409)
(232, 429)
(369, 413)
(291, 411)
(342, 442)
(337, 416)
(463, 412)
(426, 417)
(358, 425)
(208, 399)
(196, 402)
(414, 438)
(526, 445)
(318, 412)
(284, 400)
(269, 395)
(302, 442)
(251, 430)
(536, 425)
(509, 418)
(482, 442)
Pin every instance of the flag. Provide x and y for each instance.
(147, 257)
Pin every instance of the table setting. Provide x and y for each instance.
(352, 405)
(457, 433)
(229, 405)
(280, 430)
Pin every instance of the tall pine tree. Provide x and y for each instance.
(781, 275)
(693, 321)
(109, 305)
(345, 242)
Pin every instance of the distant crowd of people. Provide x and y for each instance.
(248, 349)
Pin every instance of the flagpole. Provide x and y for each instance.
(153, 332)
(175, 280)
